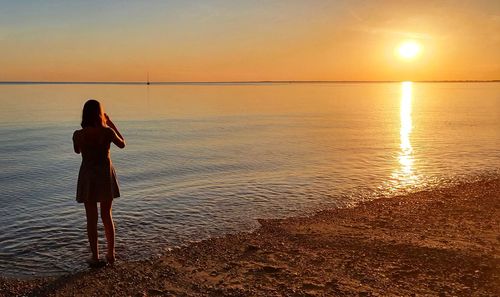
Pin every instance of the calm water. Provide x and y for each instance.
(204, 160)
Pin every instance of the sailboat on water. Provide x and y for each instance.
(147, 82)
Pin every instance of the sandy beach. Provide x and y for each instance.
(432, 243)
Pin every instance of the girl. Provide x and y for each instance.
(97, 177)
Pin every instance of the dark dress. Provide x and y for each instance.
(97, 178)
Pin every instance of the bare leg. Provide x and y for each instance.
(109, 229)
(91, 211)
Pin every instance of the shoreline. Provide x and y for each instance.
(436, 242)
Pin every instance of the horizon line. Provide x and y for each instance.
(244, 82)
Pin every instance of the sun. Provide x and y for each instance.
(409, 50)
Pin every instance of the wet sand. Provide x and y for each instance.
(433, 243)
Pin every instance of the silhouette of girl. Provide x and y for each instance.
(97, 177)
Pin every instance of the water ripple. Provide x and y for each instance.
(185, 179)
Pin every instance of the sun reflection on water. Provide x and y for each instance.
(404, 175)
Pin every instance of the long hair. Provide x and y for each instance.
(93, 115)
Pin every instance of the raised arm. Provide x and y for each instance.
(116, 138)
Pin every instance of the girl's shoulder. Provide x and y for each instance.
(109, 131)
(77, 133)
(92, 131)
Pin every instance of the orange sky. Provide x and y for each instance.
(247, 40)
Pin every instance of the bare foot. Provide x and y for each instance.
(110, 259)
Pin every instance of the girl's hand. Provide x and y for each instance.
(108, 120)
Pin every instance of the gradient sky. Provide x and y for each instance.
(247, 40)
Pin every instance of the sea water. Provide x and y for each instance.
(209, 159)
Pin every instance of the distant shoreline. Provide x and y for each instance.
(234, 82)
